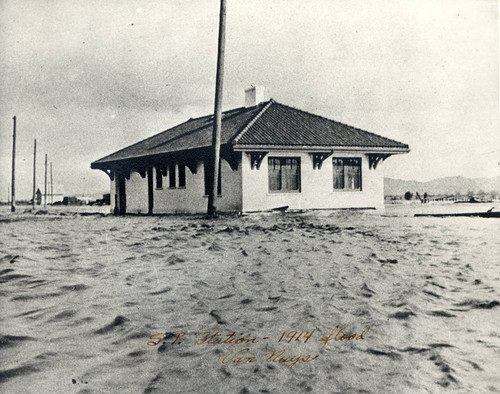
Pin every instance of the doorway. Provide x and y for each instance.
(122, 197)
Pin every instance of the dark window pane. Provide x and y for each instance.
(171, 175)
(182, 175)
(352, 177)
(274, 174)
(294, 175)
(208, 169)
(347, 173)
(338, 174)
(284, 174)
(159, 178)
(208, 177)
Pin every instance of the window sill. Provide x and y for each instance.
(159, 188)
(271, 193)
(206, 195)
(346, 190)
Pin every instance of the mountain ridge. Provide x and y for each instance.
(446, 185)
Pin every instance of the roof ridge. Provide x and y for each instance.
(228, 115)
(252, 121)
(211, 114)
(344, 124)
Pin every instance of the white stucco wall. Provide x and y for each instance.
(248, 190)
(136, 190)
(230, 201)
(316, 186)
(190, 199)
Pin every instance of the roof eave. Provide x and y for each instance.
(321, 148)
(99, 165)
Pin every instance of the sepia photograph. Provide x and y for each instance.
(266, 196)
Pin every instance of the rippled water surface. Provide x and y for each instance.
(80, 295)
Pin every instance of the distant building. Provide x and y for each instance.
(38, 197)
(272, 155)
(73, 200)
(55, 195)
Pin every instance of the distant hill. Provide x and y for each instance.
(448, 185)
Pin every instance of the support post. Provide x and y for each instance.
(13, 185)
(34, 174)
(212, 208)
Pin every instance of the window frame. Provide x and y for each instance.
(346, 163)
(282, 161)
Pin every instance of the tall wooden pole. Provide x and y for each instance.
(34, 175)
(13, 185)
(45, 190)
(212, 193)
(51, 186)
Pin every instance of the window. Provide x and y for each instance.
(209, 170)
(346, 174)
(171, 176)
(182, 175)
(159, 178)
(284, 174)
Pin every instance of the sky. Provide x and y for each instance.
(88, 78)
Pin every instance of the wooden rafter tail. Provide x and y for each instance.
(256, 159)
(109, 173)
(123, 172)
(232, 159)
(319, 158)
(374, 159)
(192, 165)
(142, 172)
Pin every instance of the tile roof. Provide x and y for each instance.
(194, 133)
(267, 124)
(284, 125)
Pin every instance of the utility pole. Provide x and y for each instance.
(13, 186)
(51, 186)
(212, 193)
(34, 175)
(45, 190)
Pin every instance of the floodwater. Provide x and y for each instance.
(81, 295)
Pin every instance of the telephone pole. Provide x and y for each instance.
(13, 186)
(34, 175)
(51, 186)
(45, 190)
(212, 192)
